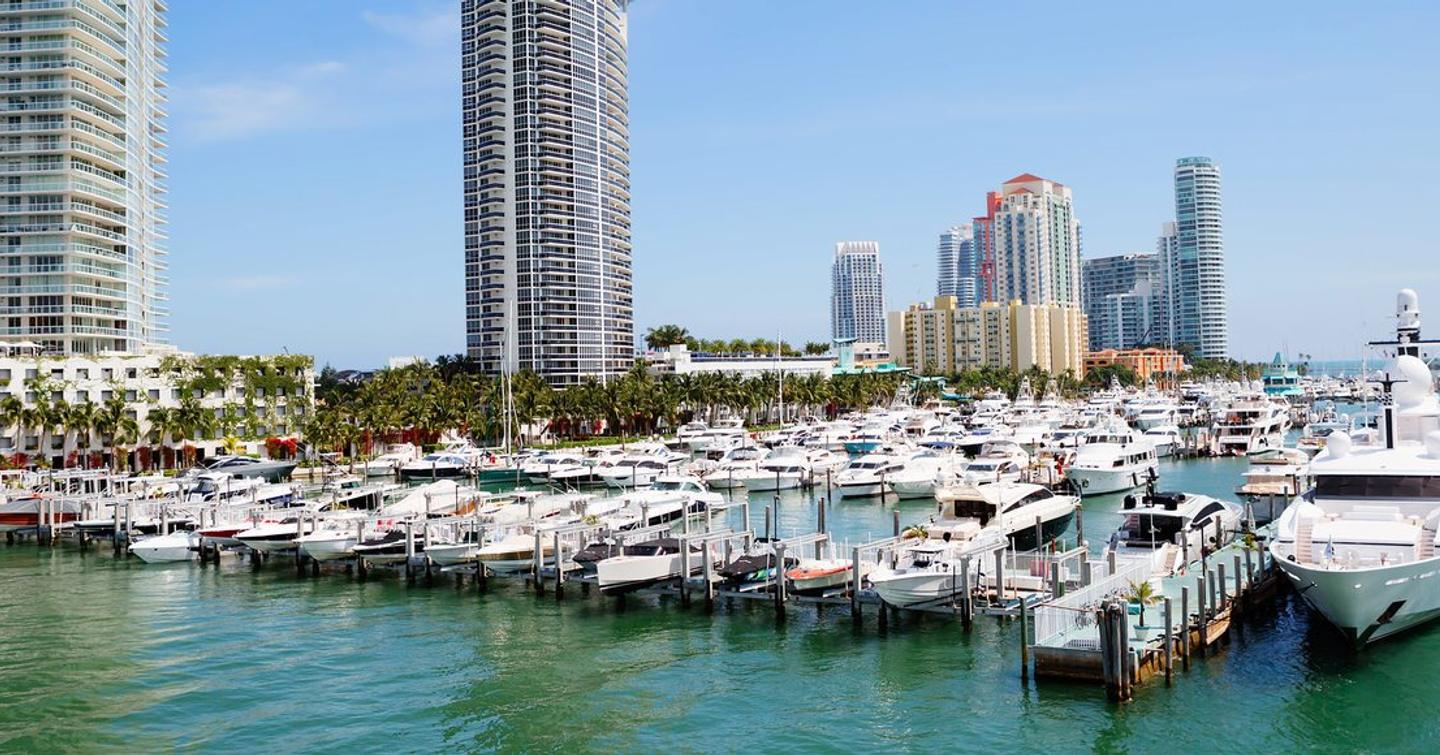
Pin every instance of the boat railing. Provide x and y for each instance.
(1075, 611)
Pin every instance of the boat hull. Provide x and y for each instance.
(1367, 605)
(1024, 538)
(1090, 481)
(177, 546)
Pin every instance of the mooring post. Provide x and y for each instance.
(1185, 628)
(1085, 575)
(1223, 599)
(854, 577)
(1080, 526)
(1110, 562)
(1169, 644)
(115, 534)
(1040, 539)
(1239, 581)
(1126, 666)
(1057, 586)
(537, 563)
(768, 524)
(966, 594)
(559, 569)
(360, 538)
(895, 523)
(780, 582)
(745, 526)
(1202, 620)
(1107, 660)
(1024, 642)
(1249, 570)
(999, 578)
(299, 552)
(1216, 592)
(684, 572)
(409, 552)
(707, 572)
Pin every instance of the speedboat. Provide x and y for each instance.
(818, 575)
(543, 468)
(754, 567)
(1114, 458)
(271, 537)
(180, 545)
(24, 512)
(389, 547)
(637, 471)
(514, 552)
(270, 470)
(436, 465)
(668, 499)
(1000, 460)
(1173, 529)
(643, 565)
(932, 570)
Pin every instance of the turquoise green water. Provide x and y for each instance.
(105, 654)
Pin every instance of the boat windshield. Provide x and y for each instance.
(1148, 529)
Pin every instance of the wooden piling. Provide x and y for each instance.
(1202, 620)
(895, 523)
(1169, 644)
(537, 560)
(855, 615)
(1185, 628)
(1024, 642)
(560, 571)
(1000, 577)
(1222, 599)
(780, 582)
(707, 573)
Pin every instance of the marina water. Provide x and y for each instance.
(99, 653)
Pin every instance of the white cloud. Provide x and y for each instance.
(329, 93)
(239, 109)
(434, 26)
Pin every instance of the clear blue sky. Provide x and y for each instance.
(315, 163)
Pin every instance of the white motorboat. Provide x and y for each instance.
(930, 570)
(668, 499)
(1000, 460)
(1172, 530)
(270, 537)
(644, 564)
(1167, 439)
(734, 467)
(514, 552)
(176, 546)
(1013, 508)
(818, 575)
(1361, 547)
(1113, 458)
(637, 471)
(545, 467)
(437, 465)
(924, 472)
(868, 475)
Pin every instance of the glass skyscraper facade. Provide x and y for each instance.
(547, 187)
(82, 155)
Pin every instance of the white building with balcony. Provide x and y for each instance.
(250, 398)
(545, 117)
(81, 157)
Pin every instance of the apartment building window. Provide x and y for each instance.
(131, 395)
(82, 396)
(107, 395)
(154, 394)
(82, 373)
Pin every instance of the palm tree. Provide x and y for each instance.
(1143, 593)
(665, 335)
(81, 420)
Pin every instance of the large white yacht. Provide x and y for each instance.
(1113, 458)
(1361, 546)
(1251, 425)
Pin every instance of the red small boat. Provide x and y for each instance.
(24, 513)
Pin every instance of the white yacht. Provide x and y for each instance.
(181, 545)
(926, 471)
(1361, 546)
(1251, 425)
(437, 465)
(868, 475)
(1167, 439)
(735, 467)
(637, 471)
(929, 570)
(541, 468)
(964, 510)
(1113, 458)
(1000, 460)
(1172, 529)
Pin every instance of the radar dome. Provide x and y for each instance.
(1416, 384)
(1407, 308)
(1337, 444)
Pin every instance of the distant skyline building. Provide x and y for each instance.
(943, 338)
(983, 230)
(547, 187)
(1037, 243)
(84, 164)
(857, 292)
(1121, 298)
(1195, 261)
(957, 266)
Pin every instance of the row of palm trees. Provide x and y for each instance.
(418, 402)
